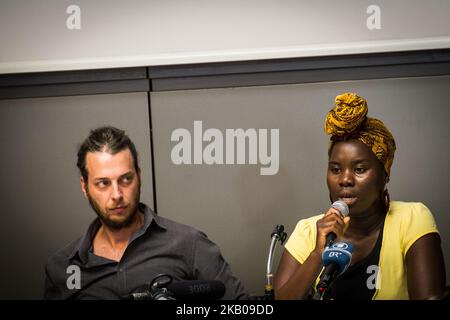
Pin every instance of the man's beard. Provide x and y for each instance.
(117, 225)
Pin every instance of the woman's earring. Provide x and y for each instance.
(387, 199)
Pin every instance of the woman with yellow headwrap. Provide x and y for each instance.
(396, 245)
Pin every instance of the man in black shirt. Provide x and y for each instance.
(127, 245)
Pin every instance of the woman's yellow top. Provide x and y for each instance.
(405, 223)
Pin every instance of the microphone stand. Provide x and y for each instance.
(318, 294)
(158, 287)
(161, 294)
(328, 275)
(322, 286)
(156, 290)
(277, 234)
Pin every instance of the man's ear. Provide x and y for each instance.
(83, 187)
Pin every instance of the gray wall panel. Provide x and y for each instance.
(43, 206)
(238, 208)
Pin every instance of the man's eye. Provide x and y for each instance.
(102, 184)
(127, 179)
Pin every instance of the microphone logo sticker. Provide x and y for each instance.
(333, 254)
(340, 245)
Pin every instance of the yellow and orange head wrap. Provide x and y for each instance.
(349, 118)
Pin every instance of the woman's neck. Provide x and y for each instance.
(366, 223)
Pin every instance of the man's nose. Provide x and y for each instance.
(116, 193)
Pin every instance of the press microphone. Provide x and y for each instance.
(342, 207)
(336, 260)
(183, 290)
(197, 290)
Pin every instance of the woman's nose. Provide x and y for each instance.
(346, 179)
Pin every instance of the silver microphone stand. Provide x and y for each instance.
(278, 234)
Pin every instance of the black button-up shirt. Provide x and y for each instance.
(160, 246)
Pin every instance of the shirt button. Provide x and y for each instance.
(121, 270)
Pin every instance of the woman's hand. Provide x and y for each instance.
(331, 222)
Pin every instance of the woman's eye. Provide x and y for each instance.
(334, 169)
(360, 170)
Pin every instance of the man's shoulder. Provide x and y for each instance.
(168, 224)
(64, 253)
(178, 227)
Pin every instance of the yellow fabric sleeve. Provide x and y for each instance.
(303, 239)
(419, 223)
(405, 223)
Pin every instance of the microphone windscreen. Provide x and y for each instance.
(197, 290)
(341, 206)
(340, 254)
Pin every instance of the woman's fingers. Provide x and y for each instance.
(331, 222)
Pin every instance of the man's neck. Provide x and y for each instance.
(119, 239)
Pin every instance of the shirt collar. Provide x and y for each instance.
(85, 243)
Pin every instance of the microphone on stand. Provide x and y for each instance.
(197, 290)
(336, 260)
(184, 290)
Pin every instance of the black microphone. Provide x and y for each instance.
(197, 290)
(183, 290)
(336, 259)
(342, 207)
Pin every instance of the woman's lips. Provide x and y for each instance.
(348, 200)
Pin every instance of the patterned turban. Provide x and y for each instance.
(349, 118)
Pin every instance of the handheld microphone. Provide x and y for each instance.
(342, 207)
(183, 290)
(336, 260)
